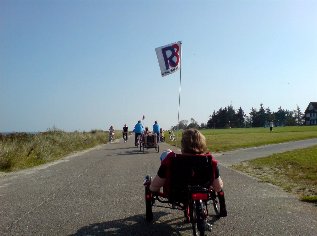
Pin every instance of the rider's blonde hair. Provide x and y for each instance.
(193, 142)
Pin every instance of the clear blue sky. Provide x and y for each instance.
(83, 65)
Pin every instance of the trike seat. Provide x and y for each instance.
(188, 171)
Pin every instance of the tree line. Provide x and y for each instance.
(228, 117)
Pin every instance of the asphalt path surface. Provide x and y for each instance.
(100, 192)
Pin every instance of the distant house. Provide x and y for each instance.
(311, 114)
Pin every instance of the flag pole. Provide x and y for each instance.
(169, 66)
(179, 91)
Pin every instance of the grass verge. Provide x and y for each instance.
(294, 171)
(221, 140)
(22, 150)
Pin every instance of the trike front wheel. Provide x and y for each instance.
(148, 205)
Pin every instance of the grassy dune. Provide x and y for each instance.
(22, 150)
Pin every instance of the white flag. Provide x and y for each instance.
(169, 57)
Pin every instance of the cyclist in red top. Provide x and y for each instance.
(192, 143)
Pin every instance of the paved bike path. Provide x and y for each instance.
(100, 192)
(236, 156)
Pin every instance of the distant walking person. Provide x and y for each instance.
(156, 130)
(271, 126)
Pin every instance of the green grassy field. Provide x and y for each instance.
(221, 140)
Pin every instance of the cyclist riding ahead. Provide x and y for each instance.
(111, 134)
(138, 131)
(156, 130)
(125, 133)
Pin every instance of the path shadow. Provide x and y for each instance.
(137, 225)
(134, 225)
(118, 148)
(130, 152)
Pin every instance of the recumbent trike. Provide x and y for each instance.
(189, 191)
(149, 141)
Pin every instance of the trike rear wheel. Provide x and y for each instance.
(215, 203)
(198, 219)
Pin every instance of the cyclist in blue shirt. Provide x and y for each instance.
(156, 130)
(138, 130)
